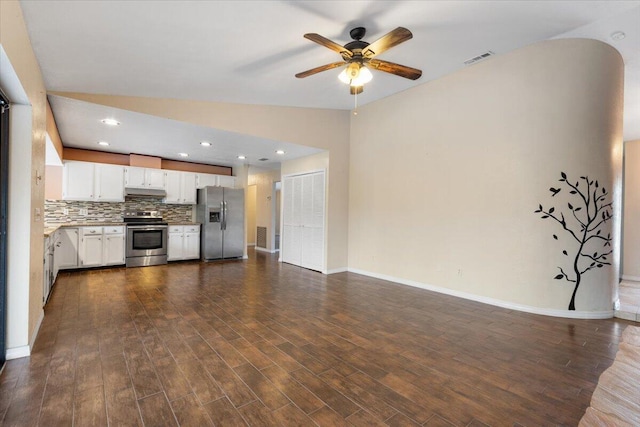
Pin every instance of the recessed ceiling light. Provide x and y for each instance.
(103, 143)
(281, 152)
(183, 155)
(618, 35)
(110, 122)
(205, 144)
(241, 157)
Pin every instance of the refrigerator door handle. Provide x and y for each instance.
(225, 215)
(222, 216)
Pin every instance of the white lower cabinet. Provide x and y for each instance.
(67, 248)
(191, 245)
(91, 247)
(46, 274)
(85, 247)
(113, 246)
(184, 242)
(176, 242)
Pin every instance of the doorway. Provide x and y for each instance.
(4, 201)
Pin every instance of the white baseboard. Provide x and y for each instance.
(18, 352)
(336, 270)
(25, 350)
(492, 301)
(259, 249)
(631, 278)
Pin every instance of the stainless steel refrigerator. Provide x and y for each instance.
(221, 212)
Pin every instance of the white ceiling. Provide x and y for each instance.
(80, 126)
(249, 51)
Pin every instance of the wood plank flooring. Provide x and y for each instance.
(266, 344)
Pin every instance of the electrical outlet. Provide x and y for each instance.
(84, 211)
(65, 211)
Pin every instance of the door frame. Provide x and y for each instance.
(4, 204)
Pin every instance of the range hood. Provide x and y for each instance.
(148, 192)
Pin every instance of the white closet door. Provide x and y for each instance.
(313, 226)
(303, 205)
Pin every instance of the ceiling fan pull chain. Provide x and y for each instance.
(355, 108)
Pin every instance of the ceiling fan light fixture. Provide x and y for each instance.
(355, 75)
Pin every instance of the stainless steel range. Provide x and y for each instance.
(146, 238)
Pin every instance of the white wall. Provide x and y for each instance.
(19, 253)
(445, 177)
(21, 80)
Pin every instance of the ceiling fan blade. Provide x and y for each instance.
(397, 69)
(389, 40)
(319, 69)
(323, 41)
(356, 90)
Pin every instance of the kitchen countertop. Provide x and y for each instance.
(49, 229)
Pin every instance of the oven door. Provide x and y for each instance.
(146, 240)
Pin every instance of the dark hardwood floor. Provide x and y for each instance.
(259, 343)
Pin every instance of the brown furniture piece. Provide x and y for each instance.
(616, 399)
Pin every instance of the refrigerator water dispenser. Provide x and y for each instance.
(214, 215)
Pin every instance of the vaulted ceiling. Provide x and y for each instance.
(248, 51)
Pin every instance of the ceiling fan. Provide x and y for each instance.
(359, 56)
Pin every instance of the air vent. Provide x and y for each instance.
(264, 159)
(479, 58)
(261, 237)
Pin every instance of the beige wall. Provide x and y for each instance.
(325, 129)
(265, 210)
(53, 182)
(251, 215)
(631, 241)
(26, 192)
(445, 177)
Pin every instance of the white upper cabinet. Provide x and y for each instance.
(212, 180)
(154, 178)
(78, 181)
(109, 183)
(180, 187)
(227, 181)
(206, 180)
(144, 178)
(134, 177)
(188, 184)
(93, 182)
(172, 186)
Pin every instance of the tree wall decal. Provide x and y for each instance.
(589, 213)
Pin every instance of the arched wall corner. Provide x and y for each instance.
(470, 158)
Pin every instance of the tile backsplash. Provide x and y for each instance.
(54, 210)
